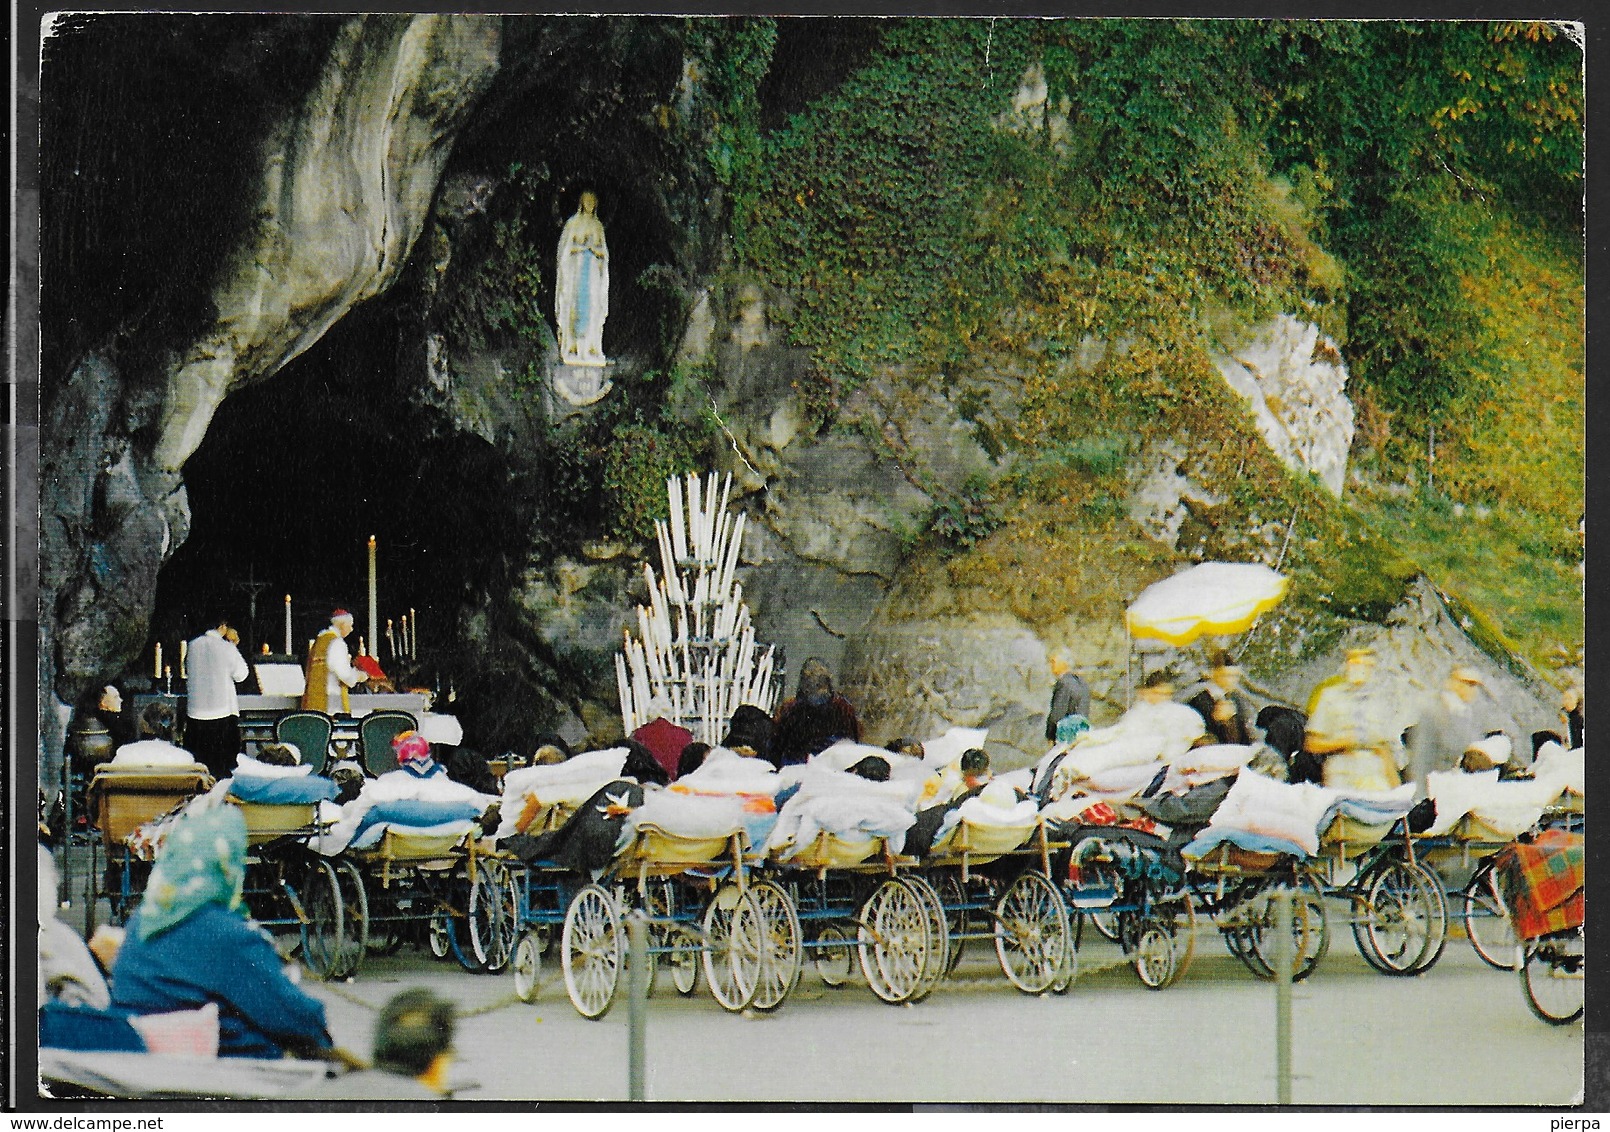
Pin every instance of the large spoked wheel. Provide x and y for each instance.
(893, 939)
(732, 946)
(937, 962)
(834, 956)
(683, 960)
(324, 928)
(1310, 933)
(1487, 923)
(1165, 941)
(1401, 928)
(958, 917)
(592, 951)
(527, 966)
(493, 918)
(1553, 973)
(355, 905)
(439, 935)
(1032, 938)
(780, 952)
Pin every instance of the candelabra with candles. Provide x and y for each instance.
(695, 660)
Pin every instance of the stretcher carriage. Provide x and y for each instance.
(854, 902)
(1135, 884)
(122, 799)
(1542, 881)
(703, 915)
(994, 884)
(290, 888)
(446, 882)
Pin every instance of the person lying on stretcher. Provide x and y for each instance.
(417, 793)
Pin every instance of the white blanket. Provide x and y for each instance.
(694, 816)
(848, 815)
(593, 766)
(1288, 811)
(568, 783)
(1510, 808)
(727, 772)
(394, 786)
(814, 780)
(1562, 771)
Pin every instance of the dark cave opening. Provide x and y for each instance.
(297, 472)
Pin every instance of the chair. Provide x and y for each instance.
(375, 733)
(309, 732)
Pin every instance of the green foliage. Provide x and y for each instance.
(963, 520)
(1403, 130)
(733, 56)
(1261, 164)
(910, 209)
(638, 454)
(498, 300)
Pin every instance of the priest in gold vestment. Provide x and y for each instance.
(329, 667)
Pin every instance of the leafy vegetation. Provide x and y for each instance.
(1413, 188)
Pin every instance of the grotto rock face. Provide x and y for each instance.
(345, 190)
(1293, 380)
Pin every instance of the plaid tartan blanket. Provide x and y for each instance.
(1542, 883)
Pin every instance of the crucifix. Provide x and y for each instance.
(252, 587)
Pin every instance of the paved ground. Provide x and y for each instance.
(1459, 1035)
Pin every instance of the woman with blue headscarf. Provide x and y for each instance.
(190, 943)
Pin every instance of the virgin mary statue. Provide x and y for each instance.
(581, 292)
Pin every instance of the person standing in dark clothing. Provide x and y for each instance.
(1070, 696)
(814, 719)
(1226, 711)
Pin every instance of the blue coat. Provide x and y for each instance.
(217, 956)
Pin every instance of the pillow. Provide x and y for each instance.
(282, 791)
(249, 767)
(844, 754)
(181, 1033)
(153, 752)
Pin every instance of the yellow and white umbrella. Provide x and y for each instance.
(1218, 599)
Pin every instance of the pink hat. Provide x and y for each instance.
(411, 747)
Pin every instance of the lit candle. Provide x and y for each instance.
(156, 670)
(184, 648)
(391, 640)
(402, 625)
(374, 615)
(288, 625)
(413, 629)
(361, 650)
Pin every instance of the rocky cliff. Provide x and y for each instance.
(917, 532)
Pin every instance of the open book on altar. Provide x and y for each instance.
(280, 679)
